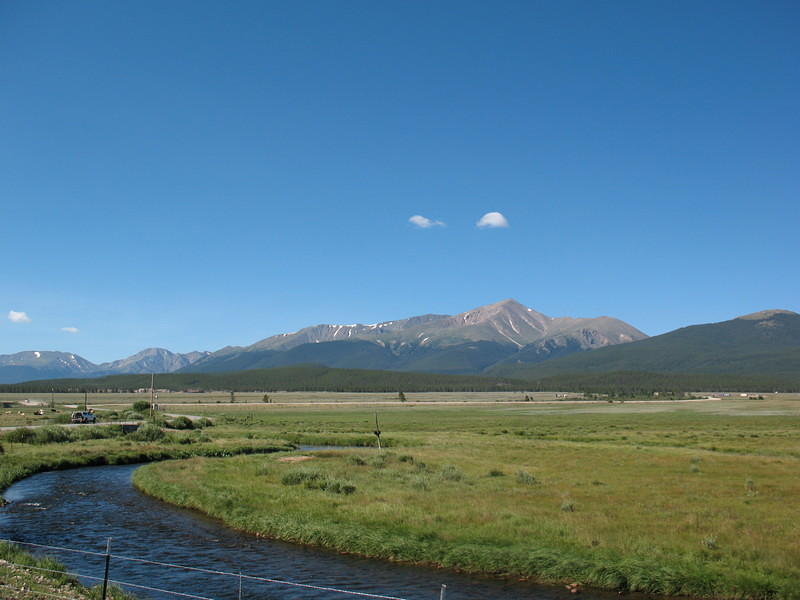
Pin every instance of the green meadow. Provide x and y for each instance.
(694, 498)
(691, 498)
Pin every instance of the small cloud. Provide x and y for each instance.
(492, 219)
(424, 222)
(70, 329)
(18, 317)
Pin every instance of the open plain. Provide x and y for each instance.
(690, 497)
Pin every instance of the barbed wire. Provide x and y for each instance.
(256, 578)
(155, 589)
(18, 543)
(239, 576)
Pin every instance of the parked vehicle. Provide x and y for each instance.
(84, 417)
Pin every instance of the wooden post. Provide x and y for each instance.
(105, 575)
(377, 433)
(443, 592)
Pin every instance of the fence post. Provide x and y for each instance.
(105, 575)
(443, 592)
(240, 585)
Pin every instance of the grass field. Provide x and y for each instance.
(693, 498)
(18, 409)
(685, 498)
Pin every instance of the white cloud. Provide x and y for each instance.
(70, 329)
(492, 219)
(18, 317)
(424, 222)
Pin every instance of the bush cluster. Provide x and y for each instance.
(53, 434)
(148, 433)
(317, 480)
(181, 423)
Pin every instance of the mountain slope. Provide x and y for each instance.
(465, 343)
(43, 365)
(764, 342)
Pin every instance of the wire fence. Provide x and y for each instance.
(257, 585)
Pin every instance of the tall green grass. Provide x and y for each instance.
(554, 497)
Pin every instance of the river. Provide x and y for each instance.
(81, 508)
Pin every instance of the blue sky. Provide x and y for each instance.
(197, 174)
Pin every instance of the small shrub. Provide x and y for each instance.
(335, 486)
(23, 435)
(406, 458)
(51, 435)
(316, 480)
(710, 542)
(181, 422)
(141, 406)
(148, 433)
(378, 461)
(496, 473)
(694, 469)
(750, 487)
(62, 418)
(299, 476)
(204, 422)
(525, 478)
(421, 482)
(451, 473)
(356, 460)
(567, 506)
(421, 466)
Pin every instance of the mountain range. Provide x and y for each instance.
(45, 364)
(505, 339)
(469, 342)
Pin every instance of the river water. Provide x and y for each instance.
(81, 508)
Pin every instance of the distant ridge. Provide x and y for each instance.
(766, 342)
(43, 364)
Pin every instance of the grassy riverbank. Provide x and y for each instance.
(38, 578)
(22, 459)
(682, 500)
